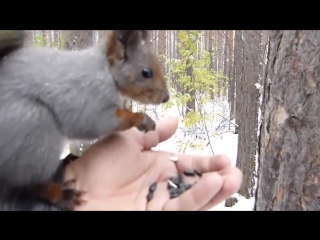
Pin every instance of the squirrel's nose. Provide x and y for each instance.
(166, 98)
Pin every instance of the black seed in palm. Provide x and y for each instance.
(174, 195)
(174, 180)
(153, 187)
(149, 196)
(173, 190)
(189, 173)
(181, 190)
(198, 173)
(171, 185)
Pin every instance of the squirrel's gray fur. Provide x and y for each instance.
(48, 96)
(45, 96)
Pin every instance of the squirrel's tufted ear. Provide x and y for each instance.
(114, 48)
(121, 44)
(145, 35)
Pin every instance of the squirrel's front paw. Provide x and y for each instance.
(147, 124)
(69, 197)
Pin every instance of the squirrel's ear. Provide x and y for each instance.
(122, 43)
(145, 35)
(130, 39)
(114, 48)
(126, 37)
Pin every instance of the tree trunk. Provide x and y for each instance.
(68, 39)
(211, 50)
(29, 37)
(231, 83)
(49, 38)
(289, 162)
(56, 37)
(226, 62)
(249, 99)
(238, 65)
(84, 38)
(191, 104)
(219, 59)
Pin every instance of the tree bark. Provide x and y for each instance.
(231, 83)
(289, 163)
(226, 62)
(29, 37)
(238, 65)
(191, 104)
(68, 39)
(56, 37)
(249, 99)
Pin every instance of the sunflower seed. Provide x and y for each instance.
(153, 187)
(181, 190)
(175, 180)
(189, 173)
(173, 190)
(198, 173)
(180, 179)
(174, 158)
(149, 196)
(174, 195)
(172, 184)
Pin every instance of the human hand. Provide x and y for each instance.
(116, 174)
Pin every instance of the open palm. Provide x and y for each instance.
(116, 174)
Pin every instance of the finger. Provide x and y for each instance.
(165, 128)
(202, 164)
(232, 179)
(198, 196)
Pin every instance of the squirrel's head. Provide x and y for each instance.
(136, 70)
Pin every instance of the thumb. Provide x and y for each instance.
(165, 128)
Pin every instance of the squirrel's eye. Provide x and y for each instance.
(147, 73)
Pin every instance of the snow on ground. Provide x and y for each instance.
(243, 204)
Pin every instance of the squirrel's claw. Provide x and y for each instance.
(147, 124)
(70, 197)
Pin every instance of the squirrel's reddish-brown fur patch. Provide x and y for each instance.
(130, 119)
(115, 51)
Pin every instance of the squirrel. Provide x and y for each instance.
(50, 96)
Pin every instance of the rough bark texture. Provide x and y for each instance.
(290, 133)
(225, 54)
(84, 38)
(29, 37)
(68, 39)
(238, 66)
(231, 83)
(248, 115)
(219, 59)
(191, 104)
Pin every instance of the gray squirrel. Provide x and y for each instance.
(49, 96)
